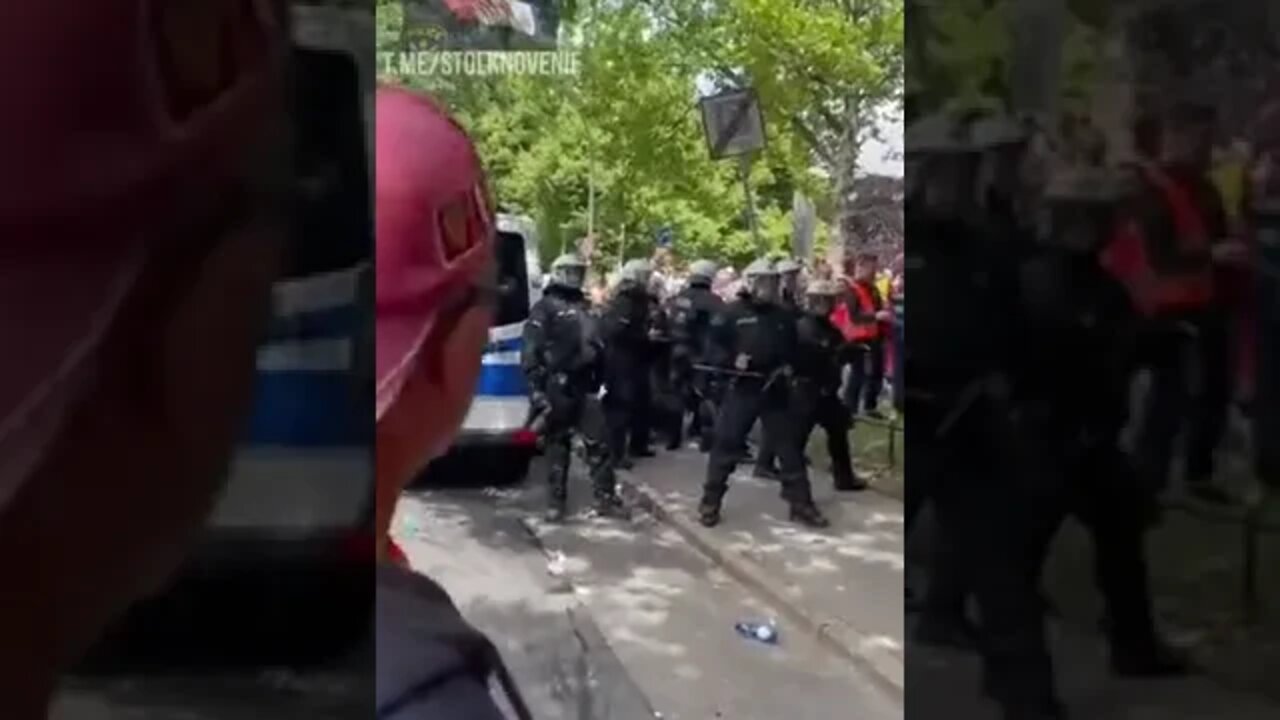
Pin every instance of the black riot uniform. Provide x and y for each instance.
(756, 342)
(972, 459)
(815, 397)
(766, 459)
(690, 313)
(562, 359)
(627, 321)
(1081, 349)
(666, 407)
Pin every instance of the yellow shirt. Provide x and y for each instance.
(1229, 178)
(884, 284)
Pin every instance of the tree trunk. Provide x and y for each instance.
(846, 169)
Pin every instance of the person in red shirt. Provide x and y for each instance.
(1174, 263)
(861, 316)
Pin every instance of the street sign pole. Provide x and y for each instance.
(734, 126)
(744, 168)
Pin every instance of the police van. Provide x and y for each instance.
(288, 550)
(494, 444)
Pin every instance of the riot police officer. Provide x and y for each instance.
(562, 360)
(816, 383)
(756, 341)
(789, 283)
(627, 323)
(791, 301)
(1082, 336)
(969, 455)
(666, 407)
(690, 313)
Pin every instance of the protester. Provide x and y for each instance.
(434, 306)
(861, 316)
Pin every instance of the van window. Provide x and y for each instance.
(513, 280)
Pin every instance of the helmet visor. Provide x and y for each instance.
(764, 287)
(570, 276)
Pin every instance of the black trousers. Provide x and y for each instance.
(812, 408)
(866, 376)
(707, 395)
(745, 402)
(1191, 390)
(1101, 489)
(627, 403)
(683, 401)
(996, 517)
(577, 414)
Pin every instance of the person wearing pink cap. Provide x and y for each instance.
(142, 217)
(435, 273)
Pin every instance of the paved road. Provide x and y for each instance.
(846, 578)
(660, 616)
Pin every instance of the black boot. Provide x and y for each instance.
(765, 472)
(809, 515)
(851, 483)
(610, 506)
(709, 513)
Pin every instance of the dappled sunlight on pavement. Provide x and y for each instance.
(664, 610)
(847, 577)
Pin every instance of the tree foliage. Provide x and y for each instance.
(964, 52)
(629, 119)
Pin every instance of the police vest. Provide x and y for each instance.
(1158, 291)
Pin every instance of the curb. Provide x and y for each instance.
(883, 667)
(632, 697)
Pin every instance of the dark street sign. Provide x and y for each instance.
(733, 123)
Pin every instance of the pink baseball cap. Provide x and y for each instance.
(127, 120)
(434, 228)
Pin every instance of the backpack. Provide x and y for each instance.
(431, 663)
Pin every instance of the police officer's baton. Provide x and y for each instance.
(717, 370)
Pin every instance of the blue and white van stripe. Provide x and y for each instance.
(500, 373)
(307, 390)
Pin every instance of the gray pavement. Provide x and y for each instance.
(496, 574)
(665, 610)
(844, 582)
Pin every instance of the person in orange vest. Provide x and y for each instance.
(1171, 239)
(862, 317)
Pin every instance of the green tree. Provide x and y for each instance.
(628, 123)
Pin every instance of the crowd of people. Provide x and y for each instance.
(1044, 291)
(704, 354)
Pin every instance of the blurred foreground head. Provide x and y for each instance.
(435, 235)
(142, 219)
